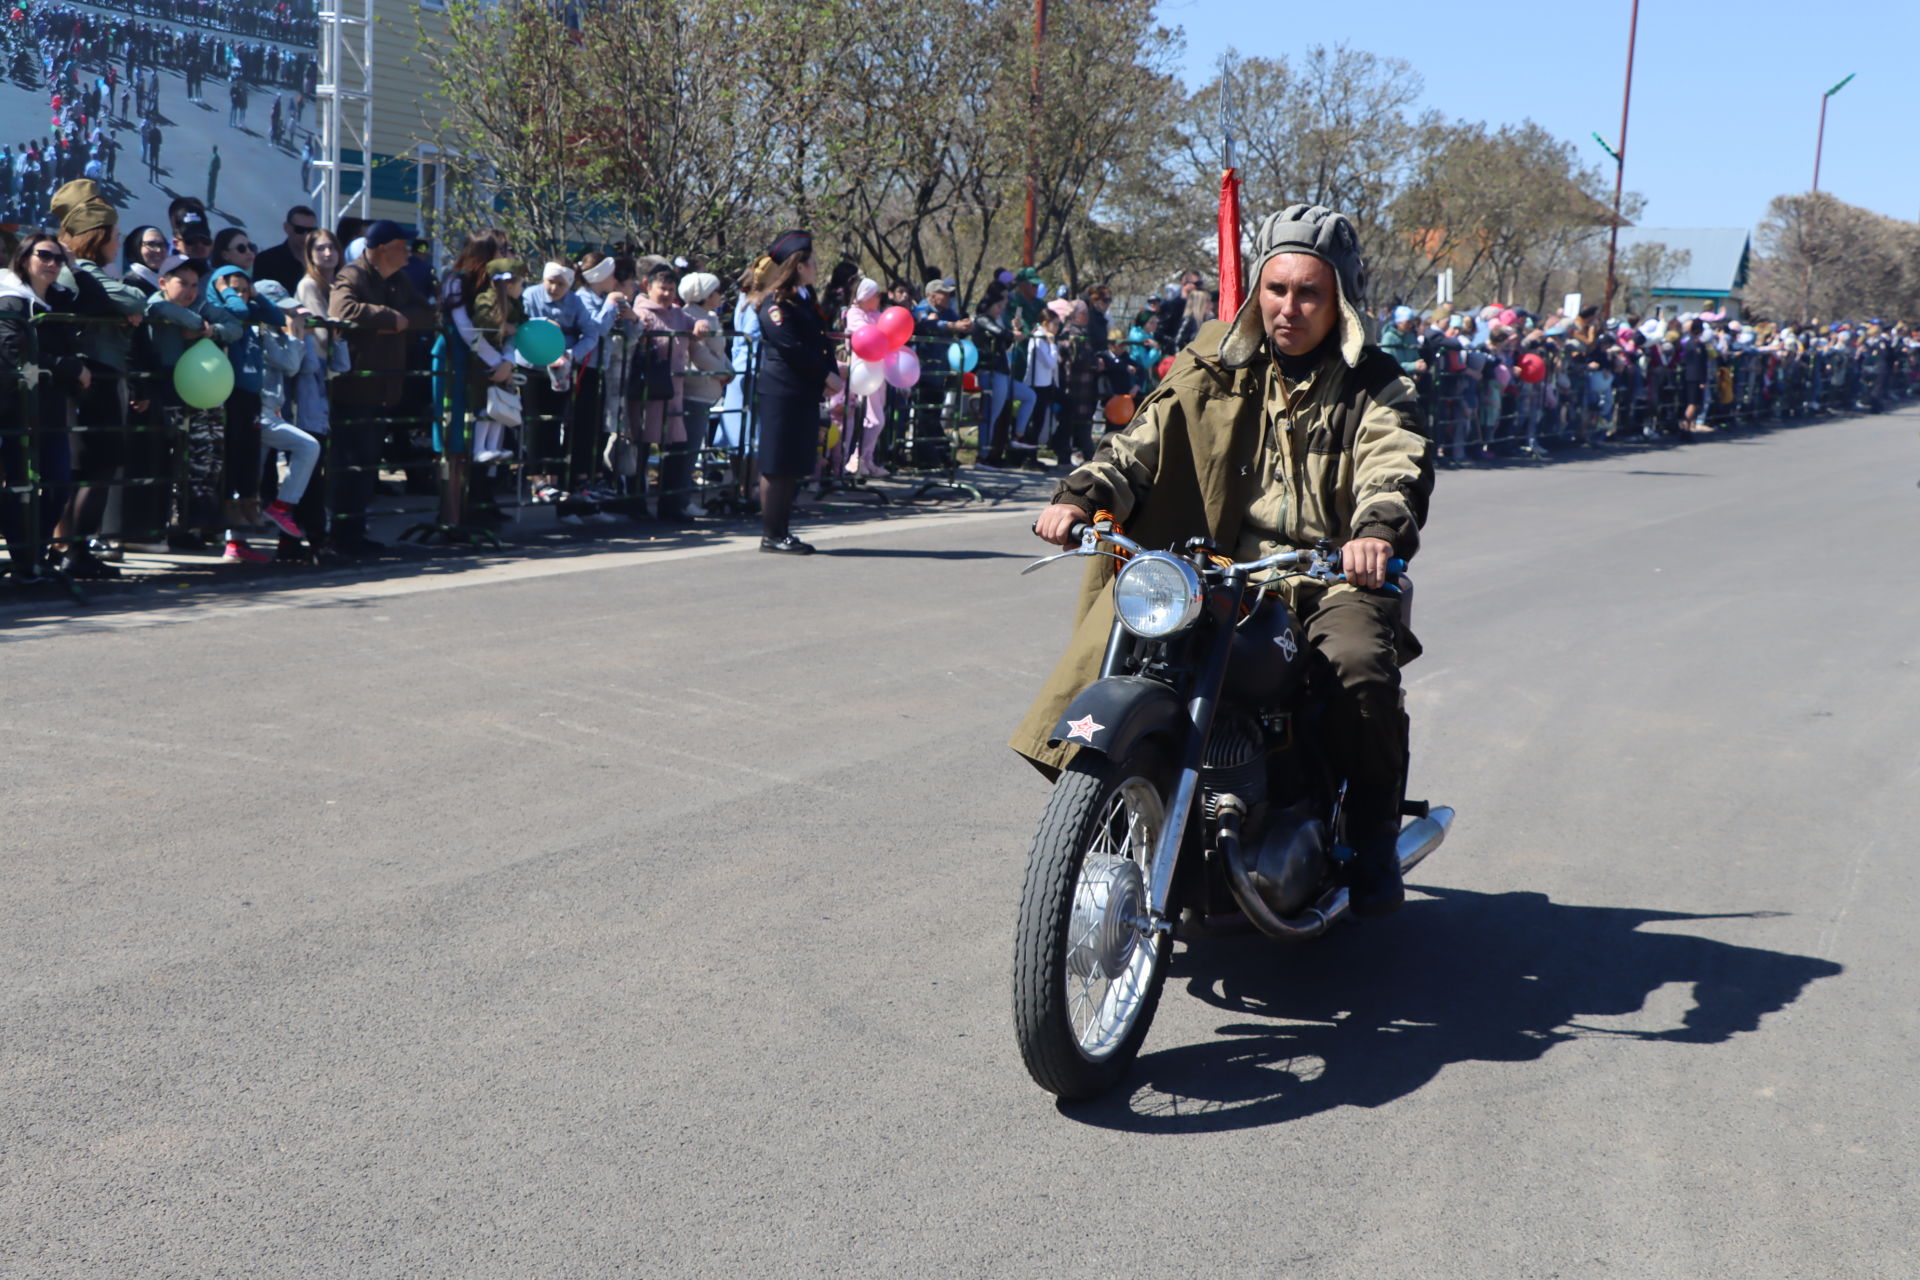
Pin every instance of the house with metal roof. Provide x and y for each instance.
(1713, 272)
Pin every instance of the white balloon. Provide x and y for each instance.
(865, 377)
(902, 368)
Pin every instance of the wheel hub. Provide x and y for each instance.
(1108, 906)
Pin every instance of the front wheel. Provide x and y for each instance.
(1087, 964)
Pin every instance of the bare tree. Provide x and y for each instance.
(1821, 258)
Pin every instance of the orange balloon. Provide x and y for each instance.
(1120, 411)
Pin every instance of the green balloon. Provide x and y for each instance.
(541, 342)
(204, 376)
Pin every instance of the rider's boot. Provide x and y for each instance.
(1375, 886)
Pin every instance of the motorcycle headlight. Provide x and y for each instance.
(1156, 595)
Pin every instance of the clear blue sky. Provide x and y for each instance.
(1726, 96)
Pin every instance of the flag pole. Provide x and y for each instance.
(1232, 285)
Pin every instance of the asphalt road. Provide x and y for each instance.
(651, 915)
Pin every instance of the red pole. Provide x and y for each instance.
(1820, 141)
(1620, 165)
(1039, 30)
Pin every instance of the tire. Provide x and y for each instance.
(1079, 1027)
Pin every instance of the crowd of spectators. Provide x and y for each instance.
(1498, 377)
(351, 357)
(351, 354)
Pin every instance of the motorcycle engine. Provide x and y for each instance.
(1287, 850)
(1235, 764)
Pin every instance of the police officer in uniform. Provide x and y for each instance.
(797, 371)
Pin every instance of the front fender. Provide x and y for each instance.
(1111, 715)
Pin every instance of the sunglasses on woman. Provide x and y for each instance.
(49, 255)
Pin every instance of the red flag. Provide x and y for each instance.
(1232, 287)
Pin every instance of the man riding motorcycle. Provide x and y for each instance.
(1279, 429)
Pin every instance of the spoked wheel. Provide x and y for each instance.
(1087, 966)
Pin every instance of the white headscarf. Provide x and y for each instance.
(558, 271)
(698, 286)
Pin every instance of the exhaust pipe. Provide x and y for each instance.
(1417, 839)
(1422, 836)
(1311, 923)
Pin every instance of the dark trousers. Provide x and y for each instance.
(1355, 637)
(27, 540)
(583, 429)
(149, 471)
(99, 449)
(677, 460)
(547, 414)
(352, 465)
(243, 444)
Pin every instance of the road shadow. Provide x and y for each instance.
(1371, 1014)
(205, 580)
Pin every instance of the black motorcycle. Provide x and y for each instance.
(1200, 802)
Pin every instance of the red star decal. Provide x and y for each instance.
(1083, 728)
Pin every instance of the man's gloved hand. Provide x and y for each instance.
(1364, 562)
(1056, 523)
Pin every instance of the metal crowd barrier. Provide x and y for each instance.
(178, 453)
(169, 473)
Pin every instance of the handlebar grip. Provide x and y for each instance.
(1079, 531)
(1396, 565)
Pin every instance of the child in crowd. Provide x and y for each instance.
(1043, 375)
(233, 289)
(870, 408)
(285, 356)
(178, 317)
(711, 368)
(497, 316)
(654, 385)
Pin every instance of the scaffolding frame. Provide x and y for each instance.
(344, 98)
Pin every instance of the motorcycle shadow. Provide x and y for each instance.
(1371, 1014)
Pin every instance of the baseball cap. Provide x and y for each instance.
(385, 231)
(942, 285)
(276, 293)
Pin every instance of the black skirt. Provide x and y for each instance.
(789, 431)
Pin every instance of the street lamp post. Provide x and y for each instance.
(1619, 164)
(1820, 141)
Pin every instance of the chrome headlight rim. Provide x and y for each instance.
(1189, 612)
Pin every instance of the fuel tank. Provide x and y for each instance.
(1267, 666)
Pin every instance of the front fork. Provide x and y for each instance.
(1201, 706)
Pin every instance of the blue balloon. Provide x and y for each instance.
(963, 356)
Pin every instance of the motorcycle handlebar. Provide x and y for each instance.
(1279, 560)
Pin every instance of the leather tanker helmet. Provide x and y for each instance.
(1318, 232)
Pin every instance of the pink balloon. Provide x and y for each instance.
(897, 323)
(902, 368)
(872, 343)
